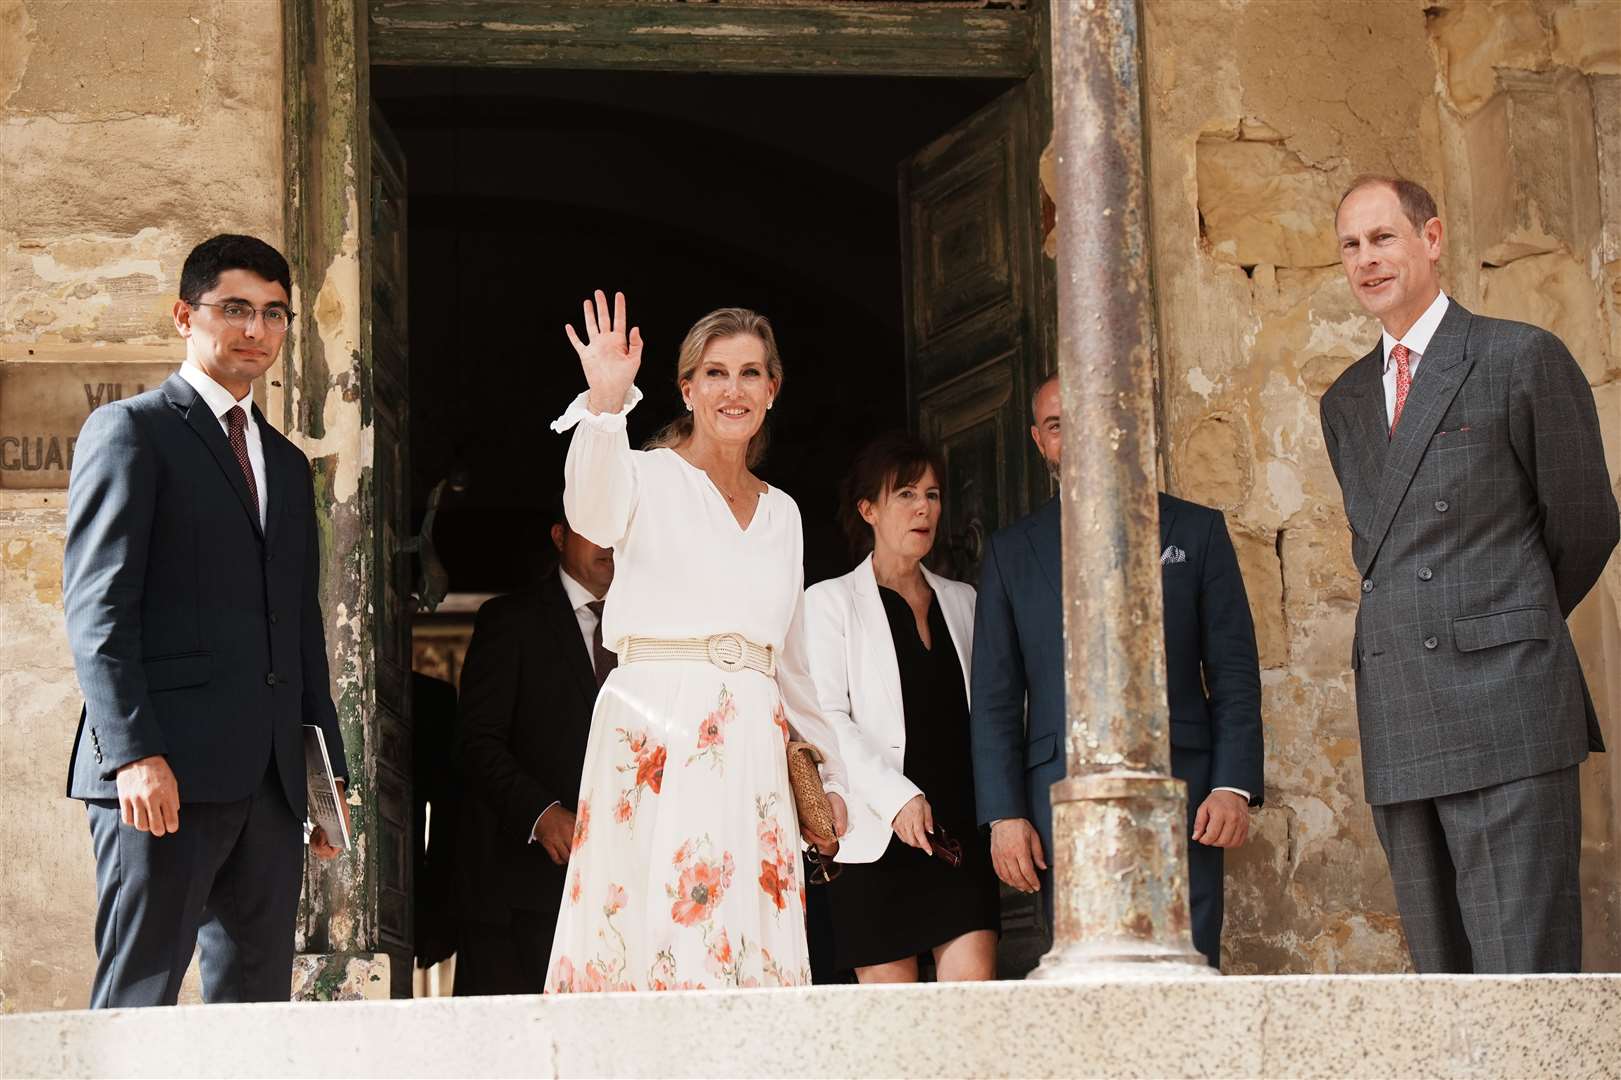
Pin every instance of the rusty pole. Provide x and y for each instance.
(1119, 818)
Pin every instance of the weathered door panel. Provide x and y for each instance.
(391, 476)
(976, 344)
(976, 340)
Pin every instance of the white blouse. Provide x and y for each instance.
(683, 567)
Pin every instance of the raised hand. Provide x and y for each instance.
(608, 355)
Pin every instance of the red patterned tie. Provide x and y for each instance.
(236, 422)
(603, 659)
(1404, 382)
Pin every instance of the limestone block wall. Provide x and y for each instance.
(128, 133)
(1258, 115)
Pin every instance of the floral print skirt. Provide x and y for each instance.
(684, 872)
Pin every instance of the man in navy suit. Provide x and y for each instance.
(190, 584)
(1018, 712)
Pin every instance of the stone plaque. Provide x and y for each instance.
(43, 406)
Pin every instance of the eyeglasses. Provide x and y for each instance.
(276, 319)
(946, 849)
(823, 869)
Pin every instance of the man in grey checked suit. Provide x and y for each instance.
(1468, 454)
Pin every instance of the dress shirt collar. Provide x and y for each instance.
(578, 595)
(1417, 338)
(218, 398)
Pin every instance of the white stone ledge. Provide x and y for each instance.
(1409, 1026)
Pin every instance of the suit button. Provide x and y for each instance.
(1425, 574)
(1442, 505)
(272, 618)
(1430, 643)
(270, 680)
(267, 556)
(1367, 585)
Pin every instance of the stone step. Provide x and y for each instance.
(1393, 1025)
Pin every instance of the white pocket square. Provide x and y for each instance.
(1172, 554)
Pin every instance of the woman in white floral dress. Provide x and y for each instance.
(684, 871)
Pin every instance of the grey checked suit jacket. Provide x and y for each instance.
(1476, 528)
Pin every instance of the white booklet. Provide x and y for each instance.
(323, 789)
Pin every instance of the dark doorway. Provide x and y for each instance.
(529, 188)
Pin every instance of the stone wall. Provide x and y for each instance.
(128, 133)
(1258, 116)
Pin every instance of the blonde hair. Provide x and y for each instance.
(725, 323)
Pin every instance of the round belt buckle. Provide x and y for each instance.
(726, 651)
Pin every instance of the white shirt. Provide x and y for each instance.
(580, 599)
(1417, 339)
(219, 401)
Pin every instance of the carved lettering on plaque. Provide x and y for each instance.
(43, 406)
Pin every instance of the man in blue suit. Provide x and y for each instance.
(190, 584)
(1213, 686)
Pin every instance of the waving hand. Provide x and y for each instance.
(609, 357)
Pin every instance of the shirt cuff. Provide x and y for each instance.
(579, 411)
(536, 825)
(1235, 791)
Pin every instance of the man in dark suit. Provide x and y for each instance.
(436, 792)
(1214, 688)
(191, 587)
(1468, 454)
(528, 688)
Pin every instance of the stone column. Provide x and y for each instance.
(1119, 818)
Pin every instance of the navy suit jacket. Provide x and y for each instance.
(196, 634)
(528, 691)
(1213, 674)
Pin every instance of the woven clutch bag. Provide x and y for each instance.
(810, 798)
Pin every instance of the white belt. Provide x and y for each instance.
(729, 652)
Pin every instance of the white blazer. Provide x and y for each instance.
(858, 683)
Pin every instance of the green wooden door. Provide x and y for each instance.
(977, 342)
(976, 334)
(391, 834)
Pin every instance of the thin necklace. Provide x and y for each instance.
(729, 496)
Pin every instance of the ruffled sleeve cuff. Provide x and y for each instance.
(578, 412)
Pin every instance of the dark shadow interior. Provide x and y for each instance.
(527, 189)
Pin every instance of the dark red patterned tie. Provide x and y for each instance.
(602, 659)
(236, 423)
(1404, 382)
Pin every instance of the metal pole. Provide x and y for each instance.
(1119, 818)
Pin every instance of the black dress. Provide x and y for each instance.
(908, 902)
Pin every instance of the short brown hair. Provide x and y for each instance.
(1417, 204)
(892, 460)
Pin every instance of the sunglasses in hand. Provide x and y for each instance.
(946, 849)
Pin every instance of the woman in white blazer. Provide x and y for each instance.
(890, 651)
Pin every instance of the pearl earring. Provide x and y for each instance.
(689, 406)
(768, 406)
